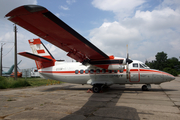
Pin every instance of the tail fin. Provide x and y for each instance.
(11, 68)
(41, 55)
(38, 48)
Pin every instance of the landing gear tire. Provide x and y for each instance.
(96, 88)
(144, 88)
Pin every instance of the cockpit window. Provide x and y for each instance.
(141, 66)
(144, 65)
(135, 65)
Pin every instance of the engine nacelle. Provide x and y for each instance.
(116, 67)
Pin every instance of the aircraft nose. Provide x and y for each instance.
(169, 77)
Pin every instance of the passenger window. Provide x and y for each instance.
(121, 71)
(115, 71)
(91, 71)
(81, 71)
(76, 71)
(103, 70)
(97, 70)
(86, 71)
(110, 71)
(135, 65)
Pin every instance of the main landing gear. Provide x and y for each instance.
(97, 88)
(146, 87)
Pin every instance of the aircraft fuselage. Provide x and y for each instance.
(81, 74)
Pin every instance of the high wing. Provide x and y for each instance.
(46, 25)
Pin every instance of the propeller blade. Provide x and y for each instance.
(129, 61)
(127, 68)
(127, 71)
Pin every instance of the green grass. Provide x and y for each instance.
(8, 82)
(11, 83)
(41, 81)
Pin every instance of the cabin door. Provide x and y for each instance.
(134, 75)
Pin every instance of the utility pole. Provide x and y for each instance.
(15, 52)
(1, 58)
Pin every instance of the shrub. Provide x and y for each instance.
(3, 83)
(19, 83)
(171, 71)
(11, 83)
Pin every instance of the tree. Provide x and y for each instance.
(171, 65)
(171, 71)
(161, 59)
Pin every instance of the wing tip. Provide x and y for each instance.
(28, 8)
(34, 8)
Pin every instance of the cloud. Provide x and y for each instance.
(146, 32)
(64, 7)
(169, 3)
(112, 38)
(122, 8)
(70, 1)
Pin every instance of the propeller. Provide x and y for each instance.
(128, 61)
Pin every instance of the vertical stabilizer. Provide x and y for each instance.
(39, 49)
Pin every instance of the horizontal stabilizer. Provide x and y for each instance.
(35, 57)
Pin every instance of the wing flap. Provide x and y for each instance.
(46, 25)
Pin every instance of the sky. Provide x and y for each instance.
(147, 26)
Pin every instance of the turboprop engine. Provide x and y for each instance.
(117, 67)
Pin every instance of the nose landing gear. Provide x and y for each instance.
(146, 87)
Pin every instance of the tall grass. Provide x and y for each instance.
(11, 83)
(8, 82)
(3, 83)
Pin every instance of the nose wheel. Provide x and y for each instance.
(146, 87)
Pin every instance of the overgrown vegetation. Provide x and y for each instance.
(41, 81)
(8, 82)
(170, 65)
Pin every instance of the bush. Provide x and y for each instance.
(20, 83)
(171, 71)
(3, 83)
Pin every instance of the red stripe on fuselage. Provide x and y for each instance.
(57, 71)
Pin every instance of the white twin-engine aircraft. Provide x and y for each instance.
(94, 67)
